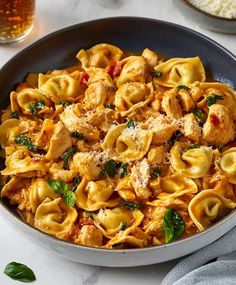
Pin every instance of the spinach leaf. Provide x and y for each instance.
(131, 124)
(109, 168)
(123, 169)
(156, 172)
(88, 215)
(130, 205)
(122, 226)
(173, 225)
(70, 152)
(157, 74)
(200, 116)
(20, 272)
(78, 135)
(14, 115)
(183, 87)
(35, 107)
(65, 103)
(192, 147)
(110, 106)
(24, 140)
(213, 98)
(76, 182)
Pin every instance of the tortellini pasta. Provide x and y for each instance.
(102, 152)
(180, 71)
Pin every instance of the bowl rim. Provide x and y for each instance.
(20, 221)
(198, 10)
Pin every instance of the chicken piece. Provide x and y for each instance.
(96, 94)
(156, 155)
(139, 178)
(99, 75)
(185, 100)
(125, 189)
(191, 130)
(57, 172)
(75, 123)
(170, 104)
(86, 164)
(56, 147)
(90, 236)
(151, 57)
(196, 91)
(219, 127)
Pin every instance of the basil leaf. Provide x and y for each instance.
(213, 98)
(173, 225)
(71, 151)
(35, 107)
(14, 115)
(78, 135)
(123, 169)
(130, 205)
(58, 186)
(110, 106)
(183, 87)
(109, 168)
(156, 172)
(157, 74)
(69, 198)
(65, 103)
(131, 124)
(20, 272)
(200, 116)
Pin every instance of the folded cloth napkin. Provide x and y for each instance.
(199, 268)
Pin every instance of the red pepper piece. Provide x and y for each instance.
(114, 69)
(84, 78)
(215, 120)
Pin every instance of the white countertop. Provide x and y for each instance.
(50, 269)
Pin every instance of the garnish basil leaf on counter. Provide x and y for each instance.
(173, 225)
(213, 98)
(61, 187)
(19, 272)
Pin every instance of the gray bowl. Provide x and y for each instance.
(204, 19)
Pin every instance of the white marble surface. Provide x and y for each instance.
(50, 269)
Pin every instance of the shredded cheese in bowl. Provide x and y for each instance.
(220, 8)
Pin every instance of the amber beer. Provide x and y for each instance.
(16, 19)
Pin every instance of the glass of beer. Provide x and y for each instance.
(16, 19)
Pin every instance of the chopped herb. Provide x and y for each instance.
(156, 172)
(22, 139)
(157, 74)
(88, 215)
(110, 106)
(61, 187)
(69, 198)
(78, 135)
(173, 225)
(19, 272)
(213, 98)
(76, 182)
(173, 139)
(14, 115)
(35, 107)
(123, 169)
(65, 103)
(122, 226)
(131, 124)
(109, 168)
(200, 116)
(183, 87)
(70, 152)
(192, 147)
(130, 205)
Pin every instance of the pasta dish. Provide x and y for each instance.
(120, 150)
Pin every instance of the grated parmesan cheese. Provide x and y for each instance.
(221, 8)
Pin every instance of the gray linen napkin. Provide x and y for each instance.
(198, 268)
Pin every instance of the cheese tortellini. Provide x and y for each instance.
(102, 153)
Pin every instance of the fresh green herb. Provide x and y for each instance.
(15, 115)
(22, 139)
(130, 205)
(69, 198)
(76, 182)
(157, 74)
(19, 272)
(70, 152)
(173, 225)
(131, 124)
(183, 87)
(110, 106)
(173, 139)
(65, 103)
(200, 116)
(88, 215)
(156, 172)
(61, 187)
(192, 147)
(78, 135)
(35, 107)
(122, 226)
(123, 169)
(213, 98)
(109, 168)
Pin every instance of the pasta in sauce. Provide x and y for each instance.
(120, 151)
